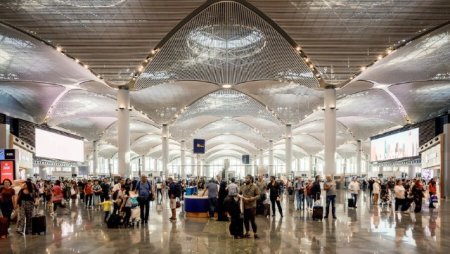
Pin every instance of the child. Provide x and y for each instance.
(107, 204)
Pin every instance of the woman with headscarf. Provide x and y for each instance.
(223, 193)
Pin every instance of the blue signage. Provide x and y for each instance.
(2, 154)
(199, 146)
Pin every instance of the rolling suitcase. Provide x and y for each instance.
(38, 224)
(317, 210)
(350, 202)
(266, 210)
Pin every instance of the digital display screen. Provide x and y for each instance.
(400, 145)
(56, 146)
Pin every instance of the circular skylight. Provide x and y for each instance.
(226, 42)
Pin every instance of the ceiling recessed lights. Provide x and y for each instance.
(226, 86)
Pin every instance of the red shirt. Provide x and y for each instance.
(6, 195)
(88, 189)
(57, 193)
(432, 188)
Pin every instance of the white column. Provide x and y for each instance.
(366, 156)
(358, 157)
(197, 164)
(183, 159)
(446, 166)
(261, 161)
(255, 165)
(110, 167)
(165, 149)
(271, 171)
(144, 165)
(95, 158)
(311, 166)
(288, 149)
(123, 126)
(330, 130)
(411, 171)
(4, 136)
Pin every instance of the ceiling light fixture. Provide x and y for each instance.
(59, 49)
(363, 68)
(86, 66)
(380, 57)
(226, 86)
(76, 60)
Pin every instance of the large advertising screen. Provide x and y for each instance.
(55, 146)
(400, 145)
(6, 170)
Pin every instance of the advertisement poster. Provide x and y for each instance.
(6, 170)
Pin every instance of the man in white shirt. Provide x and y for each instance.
(354, 188)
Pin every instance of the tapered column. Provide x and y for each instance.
(197, 164)
(271, 171)
(183, 159)
(330, 130)
(95, 158)
(144, 165)
(311, 166)
(358, 157)
(165, 149)
(288, 149)
(261, 162)
(110, 167)
(123, 125)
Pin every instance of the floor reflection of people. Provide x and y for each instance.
(275, 236)
(174, 242)
(418, 231)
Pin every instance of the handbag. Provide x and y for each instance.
(434, 199)
(72, 192)
(178, 204)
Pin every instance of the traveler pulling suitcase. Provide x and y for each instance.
(38, 224)
(317, 210)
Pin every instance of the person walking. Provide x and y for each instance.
(354, 188)
(213, 193)
(376, 191)
(330, 188)
(299, 193)
(400, 195)
(249, 194)
(275, 195)
(432, 192)
(26, 201)
(417, 192)
(144, 190)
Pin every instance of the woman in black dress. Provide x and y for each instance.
(223, 193)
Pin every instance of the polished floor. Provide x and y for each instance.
(367, 229)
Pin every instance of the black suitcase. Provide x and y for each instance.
(317, 213)
(351, 202)
(260, 208)
(114, 221)
(38, 224)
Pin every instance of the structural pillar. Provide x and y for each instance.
(95, 159)
(311, 166)
(288, 168)
(183, 159)
(271, 171)
(197, 164)
(411, 171)
(110, 167)
(4, 136)
(255, 165)
(123, 126)
(358, 157)
(330, 130)
(165, 149)
(144, 166)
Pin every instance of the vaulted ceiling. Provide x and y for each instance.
(61, 62)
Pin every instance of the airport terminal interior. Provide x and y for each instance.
(190, 95)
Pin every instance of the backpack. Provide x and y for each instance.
(177, 190)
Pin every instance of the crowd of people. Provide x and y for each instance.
(126, 201)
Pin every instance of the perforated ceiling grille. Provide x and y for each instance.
(226, 44)
(227, 103)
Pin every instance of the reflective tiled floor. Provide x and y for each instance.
(367, 229)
